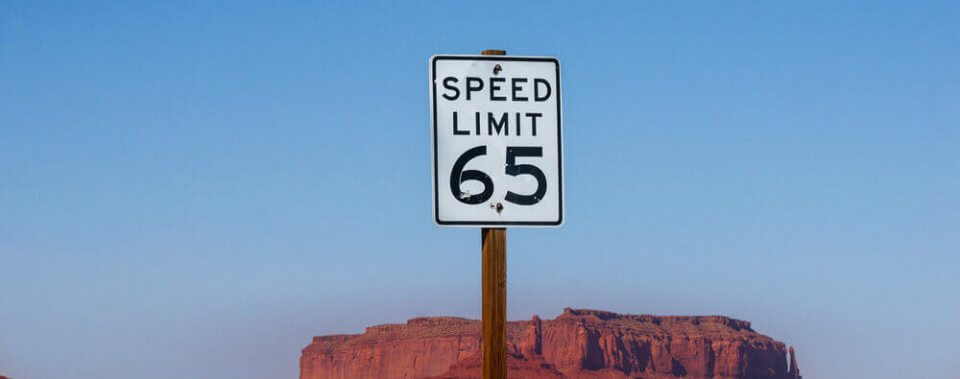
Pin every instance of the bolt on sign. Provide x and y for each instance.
(497, 141)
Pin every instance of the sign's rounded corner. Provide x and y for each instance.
(435, 57)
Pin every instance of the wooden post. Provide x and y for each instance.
(494, 287)
(494, 272)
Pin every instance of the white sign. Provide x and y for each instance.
(496, 141)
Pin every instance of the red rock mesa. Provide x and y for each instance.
(577, 344)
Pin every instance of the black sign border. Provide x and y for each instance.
(436, 188)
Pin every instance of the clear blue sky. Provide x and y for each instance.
(193, 189)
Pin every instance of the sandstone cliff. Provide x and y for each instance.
(578, 343)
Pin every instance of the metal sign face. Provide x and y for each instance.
(497, 141)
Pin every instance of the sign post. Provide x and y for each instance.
(497, 162)
(494, 286)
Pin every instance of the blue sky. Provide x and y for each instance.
(194, 189)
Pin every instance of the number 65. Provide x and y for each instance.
(458, 175)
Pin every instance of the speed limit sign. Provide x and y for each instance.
(497, 143)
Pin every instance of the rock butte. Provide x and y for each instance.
(579, 343)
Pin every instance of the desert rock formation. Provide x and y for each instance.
(578, 343)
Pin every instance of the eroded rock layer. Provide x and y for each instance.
(578, 343)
